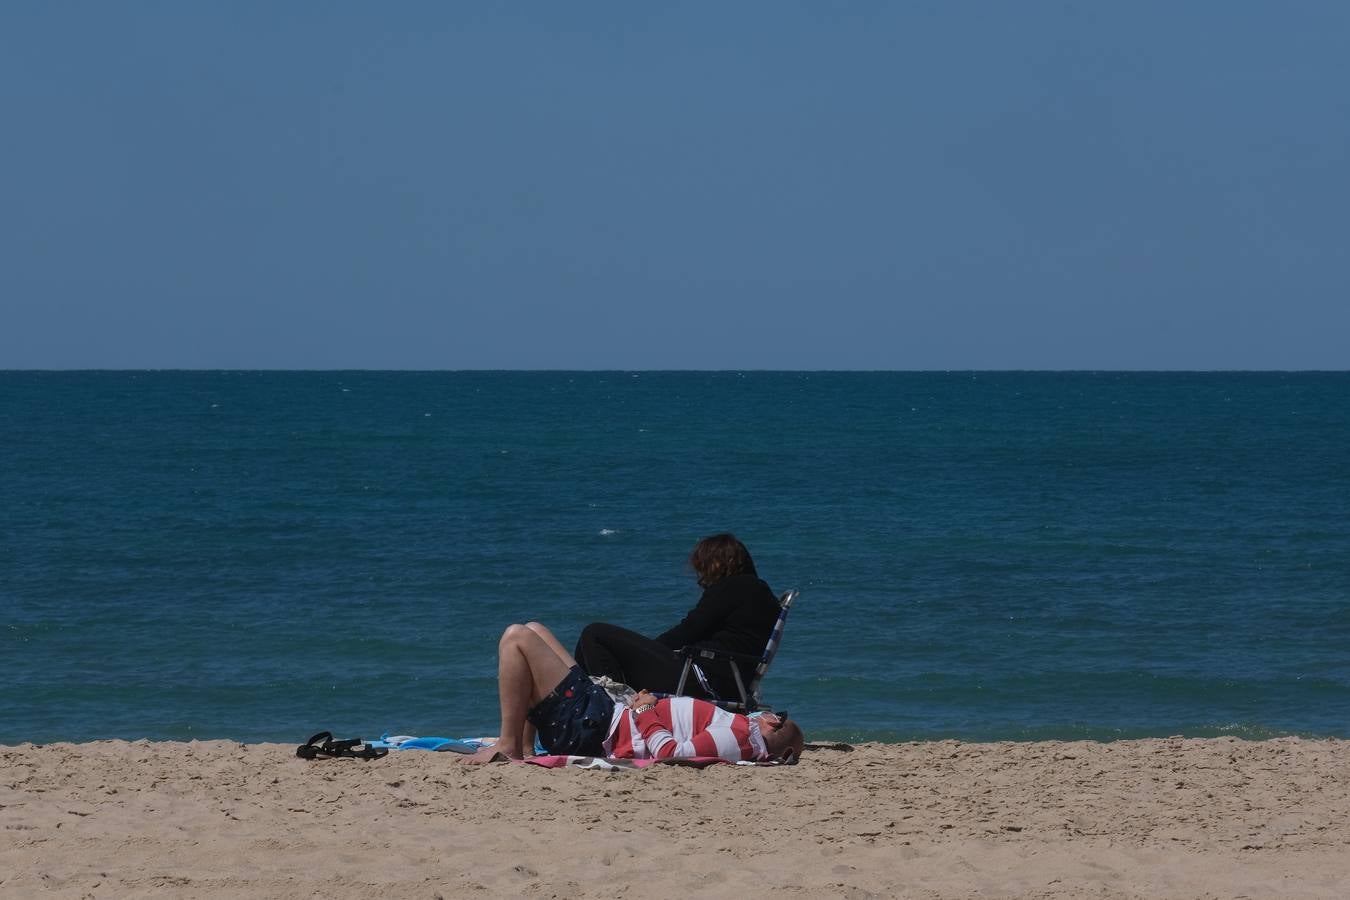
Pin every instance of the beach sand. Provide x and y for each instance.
(1152, 818)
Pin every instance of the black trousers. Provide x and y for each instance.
(643, 663)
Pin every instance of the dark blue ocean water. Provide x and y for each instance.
(261, 555)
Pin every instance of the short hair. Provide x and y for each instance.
(786, 738)
(720, 556)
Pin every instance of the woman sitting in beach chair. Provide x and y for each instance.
(736, 613)
(539, 683)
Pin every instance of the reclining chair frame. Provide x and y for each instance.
(749, 698)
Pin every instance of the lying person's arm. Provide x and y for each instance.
(661, 743)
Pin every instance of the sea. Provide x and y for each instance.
(261, 555)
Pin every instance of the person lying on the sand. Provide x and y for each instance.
(539, 683)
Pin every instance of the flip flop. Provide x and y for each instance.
(322, 746)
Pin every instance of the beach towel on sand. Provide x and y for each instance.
(611, 764)
(434, 744)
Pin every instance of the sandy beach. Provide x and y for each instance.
(1154, 818)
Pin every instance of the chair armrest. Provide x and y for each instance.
(750, 659)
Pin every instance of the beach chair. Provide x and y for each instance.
(749, 700)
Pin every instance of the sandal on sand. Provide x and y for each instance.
(322, 746)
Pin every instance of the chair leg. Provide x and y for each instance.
(702, 678)
(684, 676)
(740, 686)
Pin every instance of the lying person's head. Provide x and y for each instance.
(782, 738)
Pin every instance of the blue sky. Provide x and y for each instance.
(939, 185)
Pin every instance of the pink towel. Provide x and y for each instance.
(600, 762)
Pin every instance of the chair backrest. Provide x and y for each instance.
(775, 638)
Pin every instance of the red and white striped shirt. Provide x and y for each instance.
(683, 727)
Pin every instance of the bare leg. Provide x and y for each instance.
(527, 734)
(527, 737)
(552, 642)
(527, 671)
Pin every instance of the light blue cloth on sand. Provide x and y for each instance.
(435, 744)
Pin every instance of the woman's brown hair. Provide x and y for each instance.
(720, 556)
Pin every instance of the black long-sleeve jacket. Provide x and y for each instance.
(737, 613)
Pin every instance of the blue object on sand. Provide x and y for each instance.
(434, 744)
(439, 745)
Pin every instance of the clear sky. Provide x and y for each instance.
(902, 185)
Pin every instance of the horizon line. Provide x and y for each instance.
(673, 371)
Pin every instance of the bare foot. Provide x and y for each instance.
(485, 755)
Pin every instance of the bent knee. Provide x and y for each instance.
(513, 634)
